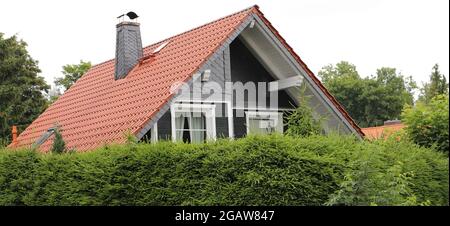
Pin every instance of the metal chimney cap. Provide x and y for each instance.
(132, 15)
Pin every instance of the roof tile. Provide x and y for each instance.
(98, 109)
(382, 131)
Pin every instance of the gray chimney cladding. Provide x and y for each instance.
(128, 48)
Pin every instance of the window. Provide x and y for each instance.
(193, 123)
(264, 122)
(190, 127)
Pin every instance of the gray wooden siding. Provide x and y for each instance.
(220, 74)
(165, 127)
(240, 126)
(221, 121)
(246, 68)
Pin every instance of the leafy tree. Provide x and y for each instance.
(72, 72)
(371, 100)
(342, 69)
(427, 124)
(21, 89)
(387, 92)
(59, 145)
(344, 82)
(436, 86)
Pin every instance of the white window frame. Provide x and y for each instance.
(229, 108)
(210, 117)
(271, 114)
(154, 133)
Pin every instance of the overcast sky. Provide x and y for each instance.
(410, 35)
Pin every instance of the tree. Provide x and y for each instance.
(345, 84)
(427, 124)
(72, 72)
(387, 92)
(300, 121)
(371, 100)
(342, 69)
(59, 145)
(436, 86)
(21, 89)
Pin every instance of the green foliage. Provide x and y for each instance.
(372, 100)
(437, 85)
(59, 145)
(397, 88)
(428, 124)
(256, 170)
(130, 138)
(4, 142)
(21, 89)
(301, 122)
(16, 182)
(367, 185)
(392, 172)
(250, 171)
(72, 72)
(342, 69)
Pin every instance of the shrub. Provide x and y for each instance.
(3, 143)
(251, 171)
(366, 184)
(428, 125)
(16, 180)
(392, 172)
(59, 145)
(256, 170)
(300, 121)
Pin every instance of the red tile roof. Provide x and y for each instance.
(385, 131)
(98, 109)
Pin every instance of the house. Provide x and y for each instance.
(225, 79)
(388, 129)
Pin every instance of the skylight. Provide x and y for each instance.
(160, 48)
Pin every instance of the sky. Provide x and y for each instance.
(410, 35)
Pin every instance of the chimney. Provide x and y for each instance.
(14, 135)
(128, 46)
(392, 122)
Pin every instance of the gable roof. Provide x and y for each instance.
(98, 109)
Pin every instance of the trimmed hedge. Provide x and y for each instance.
(257, 170)
(252, 171)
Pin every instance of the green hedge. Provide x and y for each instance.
(270, 170)
(380, 168)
